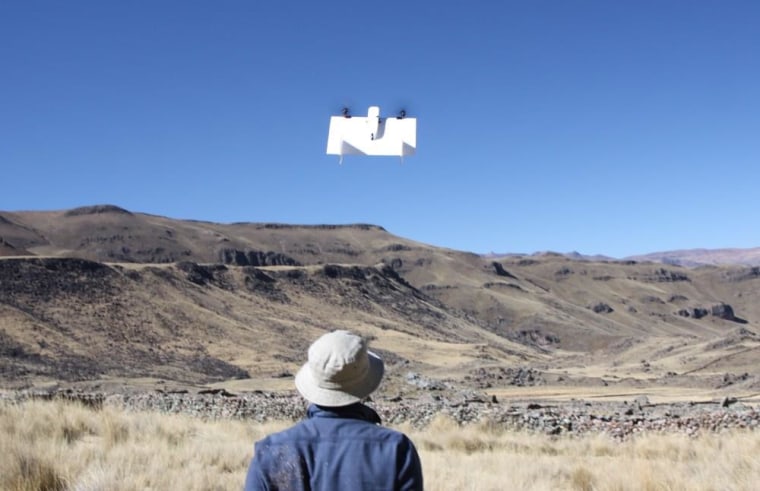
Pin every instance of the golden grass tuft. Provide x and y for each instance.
(64, 446)
(31, 473)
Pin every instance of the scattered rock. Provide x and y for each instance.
(696, 312)
(731, 379)
(641, 402)
(652, 299)
(616, 420)
(677, 298)
(424, 383)
(485, 378)
(220, 392)
(601, 308)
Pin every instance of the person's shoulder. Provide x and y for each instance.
(385, 433)
(294, 432)
(390, 431)
(398, 435)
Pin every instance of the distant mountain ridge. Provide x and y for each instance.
(704, 257)
(103, 293)
(17, 236)
(688, 258)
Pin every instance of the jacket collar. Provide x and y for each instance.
(354, 411)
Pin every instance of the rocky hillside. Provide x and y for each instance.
(104, 294)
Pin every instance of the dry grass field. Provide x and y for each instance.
(65, 446)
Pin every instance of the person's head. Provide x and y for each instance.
(340, 370)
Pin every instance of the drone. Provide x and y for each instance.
(372, 135)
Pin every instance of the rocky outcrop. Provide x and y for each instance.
(661, 275)
(396, 263)
(237, 257)
(721, 311)
(534, 337)
(259, 282)
(279, 226)
(350, 272)
(397, 248)
(744, 274)
(96, 210)
(500, 271)
(666, 275)
(40, 279)
(198, 274)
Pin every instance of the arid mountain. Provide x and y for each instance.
(103, 295)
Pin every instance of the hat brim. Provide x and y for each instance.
(309, 388)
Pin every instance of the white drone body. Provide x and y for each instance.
(373, 135)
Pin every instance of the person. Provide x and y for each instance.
(341, 444)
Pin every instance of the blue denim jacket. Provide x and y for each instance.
(336, 449)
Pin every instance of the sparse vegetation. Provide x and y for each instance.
(56, 445)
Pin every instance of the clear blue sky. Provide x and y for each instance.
(611, 127)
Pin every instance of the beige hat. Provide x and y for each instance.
(340, 370)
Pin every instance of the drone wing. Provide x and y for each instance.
(372, 136)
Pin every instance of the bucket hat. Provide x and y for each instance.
(340, 370)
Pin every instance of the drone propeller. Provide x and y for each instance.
(401, 113)
(343, 106)
(403, 107)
